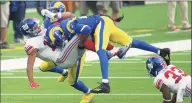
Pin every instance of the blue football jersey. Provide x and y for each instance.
(82, 25)
(91, 21)
(47, 22)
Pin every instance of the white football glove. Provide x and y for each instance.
(47, 13)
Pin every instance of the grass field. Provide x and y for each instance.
(128, 78)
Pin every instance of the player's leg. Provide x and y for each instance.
(74, 73)
(171, 15)
(188, 90)
(101, 38)
(184, 15)
(51, 67)
(121, 37)
(90, 45)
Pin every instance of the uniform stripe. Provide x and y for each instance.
(98, 38)
(68, 51)
(188, 90)
(83, 28)
(101, 34)
(159, 83)
(77, 70)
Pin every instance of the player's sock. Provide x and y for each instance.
(110, 46)
(103, 63)
(79, 85)
(57, 69)
(144, 46)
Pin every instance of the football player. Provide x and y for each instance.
(103, 30)
(69, 56)
(30, 28)
(169, 79)
(57, 12)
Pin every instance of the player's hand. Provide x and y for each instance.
(47, 13)
(44, 11)
(34, 85)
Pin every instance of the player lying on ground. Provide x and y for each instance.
(56, 13)
(103, 30)
(55, 59)
(169, 79)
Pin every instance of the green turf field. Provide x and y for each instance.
(128, 78)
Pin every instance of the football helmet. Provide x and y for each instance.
(30, 27)
(55, 36)
(56, 6)
(154, 65)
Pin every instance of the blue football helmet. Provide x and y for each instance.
(56, 6)
(55, 36)
(154, 65)
(30, 27)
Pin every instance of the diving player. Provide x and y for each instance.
(68, 57)
(103, 30)
(169, 79)
(57, 12)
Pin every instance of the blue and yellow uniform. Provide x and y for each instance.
(104, 30)
(101, 27)
(54, 7)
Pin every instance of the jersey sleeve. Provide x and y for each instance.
(83, 29)
(158, 83)
(46, 22)
(31, 45)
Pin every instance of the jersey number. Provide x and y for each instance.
(177, 77)
(83, 17)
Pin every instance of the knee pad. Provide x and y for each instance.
(45, 66)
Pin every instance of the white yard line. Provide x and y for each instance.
(45, 94)
(141, 35)
(53, 77)
(135, 62)
(181, 45)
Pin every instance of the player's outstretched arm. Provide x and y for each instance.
(30, 64)
(166, 94)
(63, 15)
(83, 32)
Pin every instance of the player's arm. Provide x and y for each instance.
(83, 32)
(30, 64)
(166, 94)
(64, 15)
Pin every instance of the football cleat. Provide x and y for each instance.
(62, 78)
(102, 88)
(87, 98)
(122, 51)
(165, 54)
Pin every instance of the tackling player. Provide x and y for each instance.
(68, 57)
(57, 13)
(103, 30)
(169, 79)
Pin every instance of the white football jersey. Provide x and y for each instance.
(173, 77)
(44, 52)
(64, 57)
